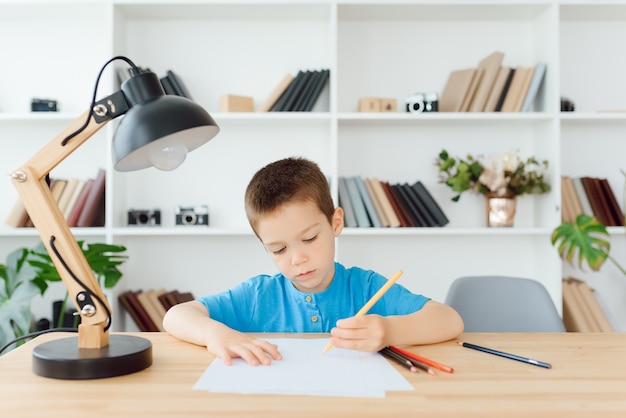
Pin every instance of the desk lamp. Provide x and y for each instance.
(157, 130)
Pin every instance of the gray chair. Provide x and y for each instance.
(503, 304)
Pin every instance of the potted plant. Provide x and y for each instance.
(501, 178)
(27, 273)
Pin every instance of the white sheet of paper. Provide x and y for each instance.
(304, 371)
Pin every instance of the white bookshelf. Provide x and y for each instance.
(372, 49)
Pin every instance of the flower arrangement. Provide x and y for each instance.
(504, 174)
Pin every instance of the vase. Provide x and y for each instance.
(500, 210)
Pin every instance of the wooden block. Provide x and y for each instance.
(369, 104)
(388, 105)
(234, 103)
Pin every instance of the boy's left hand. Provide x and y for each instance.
(362, 333)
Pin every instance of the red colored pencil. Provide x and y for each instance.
(424, 360)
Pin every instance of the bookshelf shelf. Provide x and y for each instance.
(373, 49)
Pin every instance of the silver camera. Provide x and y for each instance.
(196, 215)
(144, 217)
(422, 102)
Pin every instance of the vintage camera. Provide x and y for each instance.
(197, 215)
(43, 105)
(144, 217)
(422, 102)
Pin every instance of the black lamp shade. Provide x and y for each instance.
(161, 119)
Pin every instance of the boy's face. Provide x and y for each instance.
(301, 243)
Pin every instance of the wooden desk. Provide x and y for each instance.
(587, 379)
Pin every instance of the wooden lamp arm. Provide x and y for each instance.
(67, 256)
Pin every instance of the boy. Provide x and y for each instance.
(290, 209)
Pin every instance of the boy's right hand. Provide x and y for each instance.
(228, 344)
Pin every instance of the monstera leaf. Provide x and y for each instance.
(103, 259)
(584, 240)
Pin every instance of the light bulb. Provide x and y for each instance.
(168, 156)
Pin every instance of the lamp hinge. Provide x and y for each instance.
(110, 107)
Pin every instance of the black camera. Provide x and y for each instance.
(144, 217)
(422, 102)
(43, 105)
(197, 215)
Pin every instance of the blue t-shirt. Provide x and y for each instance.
(272, 303)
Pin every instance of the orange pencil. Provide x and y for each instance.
(372, 301)
(424, 360)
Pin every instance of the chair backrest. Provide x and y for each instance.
(503, 304)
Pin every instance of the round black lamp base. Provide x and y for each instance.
(62, 359)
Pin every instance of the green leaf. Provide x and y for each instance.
(16, 293)
(585, 240)
(102, 258)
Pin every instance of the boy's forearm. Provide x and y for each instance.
(189, 322)
(433, 323)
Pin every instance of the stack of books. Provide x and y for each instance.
(369, 202)
(80, 200)
(592, 196)
(492, 87)
(296, 94)
(147, 308)
(583, 309)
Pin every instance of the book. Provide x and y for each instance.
(275, 93)
(471, 91)
(65, 197)
(167, 86)
(72, 220)
(420, 205)
(582, 196)
(307, 90)
(386, 206)
(515, 89)
(131, 303)
(176, 297)
(360, 212)
(384, 222)
(93, 209)
(418, 217)
(154, 296)
(496, 91)
(344, 201)
(577, 208)
(582, 311)
(431, 204)
(321, 82)
(505, 90)
(598, 318)
(404, 204)
(178, 85)
(416, 205)
(300, 87)
(164, 299)
(567, 209)
(594, 194)
(145, 299)
(292, 90)
(78, 188)
(614, 208)
(491, 68)
(455, 90)
(18, 216)
(574, 318)
(524, 89)
(535, 84)
(367, 201)
(405, 220)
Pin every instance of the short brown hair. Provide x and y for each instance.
(284, 181)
